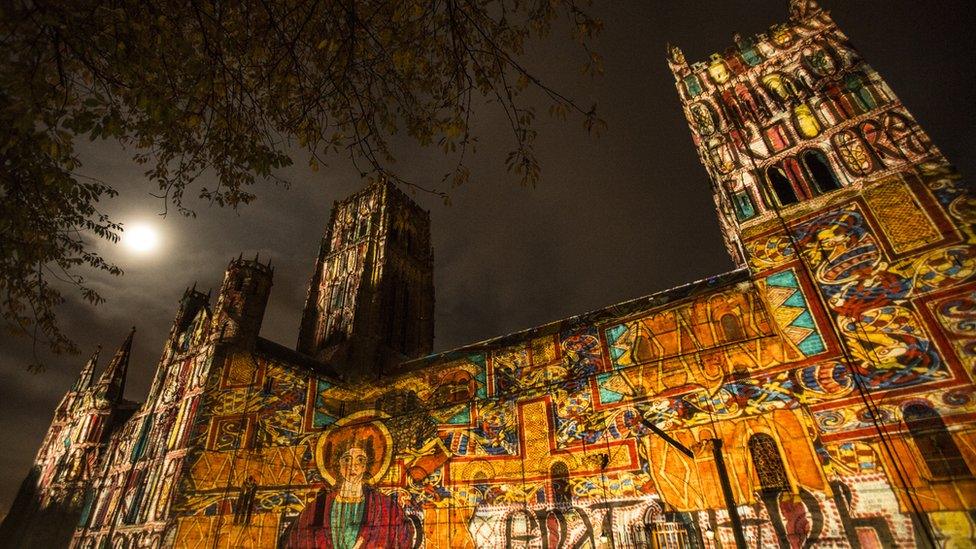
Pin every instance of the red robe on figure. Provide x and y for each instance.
(384, 523)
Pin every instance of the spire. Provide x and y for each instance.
(88, 372)
(112, 383)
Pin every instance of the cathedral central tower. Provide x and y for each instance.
(370, 300)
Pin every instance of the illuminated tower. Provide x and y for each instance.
(832, 195)
(371, 297)
(783, 121)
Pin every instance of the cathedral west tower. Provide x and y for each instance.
(823, 179)
(371, 297)
(795, 119)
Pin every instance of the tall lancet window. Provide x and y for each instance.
(768, 463)
(819, 171)
(934, 443)
(561, 491)
(782, 188)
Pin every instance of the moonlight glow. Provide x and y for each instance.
(140, 238)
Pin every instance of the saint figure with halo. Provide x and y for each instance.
(351, 513)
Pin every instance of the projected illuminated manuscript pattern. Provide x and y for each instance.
(852, 315)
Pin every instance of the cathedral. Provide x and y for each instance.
(821, 394)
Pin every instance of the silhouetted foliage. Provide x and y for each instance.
(235, 89)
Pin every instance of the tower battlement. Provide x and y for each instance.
(251, 264)
(242, 301)
(751, 51)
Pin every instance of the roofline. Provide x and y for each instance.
(619, 310)
(275, 350)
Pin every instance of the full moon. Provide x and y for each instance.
(140, 238)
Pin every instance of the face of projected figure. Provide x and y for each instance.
(352, 514)
(352, 467)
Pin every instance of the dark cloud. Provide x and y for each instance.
(613, 218)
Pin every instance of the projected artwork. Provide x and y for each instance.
(830, 375)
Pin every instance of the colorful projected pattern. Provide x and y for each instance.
(792, 314)
(853, 317)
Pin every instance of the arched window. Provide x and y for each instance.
(744, 209)
(138, 486)
(404, 318)
(906, 134)
(750, 54)
(934, 443)
(881, 143)
(389, 302)
(480, 484)
(781, 87)
(804, 81)
(782, 188)
(519, 525)
(561, 492)
(825, 111)
(775, 85)
(768, 463)
(731, 327)
(339, 296)
(853, 152)
(693, 85)
(140, 446)
(721, 155)
(855, 83)
(751, 103)
(805, 122)
(704, 118)
(245, 502)
(819, 61)
(819, 171)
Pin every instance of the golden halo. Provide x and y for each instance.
(361, 429)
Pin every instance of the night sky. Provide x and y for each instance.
(613, 218)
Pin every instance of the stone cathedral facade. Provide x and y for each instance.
(821, 394)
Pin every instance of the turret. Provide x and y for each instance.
(82, 384)
(111, 384)
(192, 322)
(802, 9)
(87, 375)
(677, 62)
(51, 498)
(242, 301)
